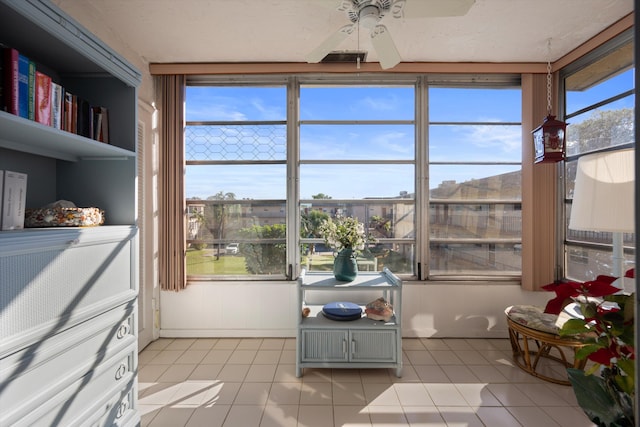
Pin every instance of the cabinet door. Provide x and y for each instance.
(324, 345)
(373, 346)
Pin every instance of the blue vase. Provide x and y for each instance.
(345, 267)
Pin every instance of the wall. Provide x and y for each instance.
(269, 309)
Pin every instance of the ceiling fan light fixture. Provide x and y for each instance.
(369, 16)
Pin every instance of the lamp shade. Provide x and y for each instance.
(603, 197)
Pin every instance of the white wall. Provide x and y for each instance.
(268, 309)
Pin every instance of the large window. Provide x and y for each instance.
(431, 167)
(357, 151)
(235, 183)
(475, 154)
(599, 107)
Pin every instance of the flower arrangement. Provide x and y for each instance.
(606, 392)
(344, 232)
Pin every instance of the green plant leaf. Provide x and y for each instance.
(596, 401)
(628, 366)
(585, 351)
(573, 327)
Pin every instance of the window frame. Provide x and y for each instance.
(570, 246)
(422, 200)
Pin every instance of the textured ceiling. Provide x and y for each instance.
(287, 30)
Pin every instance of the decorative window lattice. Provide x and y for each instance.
(236, 142)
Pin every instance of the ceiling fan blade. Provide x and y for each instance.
(330, 44)
(430, 8)
(384, 46)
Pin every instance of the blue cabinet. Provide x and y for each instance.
(360, 343)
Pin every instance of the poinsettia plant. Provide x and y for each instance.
(606, 325)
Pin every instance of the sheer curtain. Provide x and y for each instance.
(172, 207)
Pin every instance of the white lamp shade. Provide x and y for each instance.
(603, 197)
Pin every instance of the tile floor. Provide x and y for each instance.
(252, 382)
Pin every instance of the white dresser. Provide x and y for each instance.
(68, 295)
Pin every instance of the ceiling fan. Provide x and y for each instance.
(369, 14)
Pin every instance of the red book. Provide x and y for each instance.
(10, 90)
(43, 99)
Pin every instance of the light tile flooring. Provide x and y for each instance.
(252, 382)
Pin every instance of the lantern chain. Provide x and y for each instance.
(549, 77)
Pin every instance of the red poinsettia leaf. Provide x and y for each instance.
(552, 286)
(564, 291)
(605, 279)
(631, 273)
(555, 305)
(599, 288)
(602, 356)
(628, 351)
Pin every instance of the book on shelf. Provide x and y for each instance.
(10, 61)
(23, 86)
(31, 98)
(85, 123)
(3, 105)
(43, 99)
(70, 112)
(31, 93)
(1, 195)
(56, 105)
(13, 200)
(101, 124)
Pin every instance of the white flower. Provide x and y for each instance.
(345, 232)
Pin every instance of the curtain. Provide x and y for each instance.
(172, 207)
(539, 193)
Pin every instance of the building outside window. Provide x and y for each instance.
(432, 167)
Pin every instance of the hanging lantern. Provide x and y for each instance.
(549, 137)
(548, 140)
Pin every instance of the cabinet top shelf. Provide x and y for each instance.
(41, 31)
(384, 279)
(17, 133)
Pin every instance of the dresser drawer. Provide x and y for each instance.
(116, 411)
(34, 375)
(97, 394)
(55, 280)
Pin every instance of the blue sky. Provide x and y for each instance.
(460, 143)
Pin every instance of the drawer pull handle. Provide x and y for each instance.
(122, 408)
(121, 371)
(123, 331)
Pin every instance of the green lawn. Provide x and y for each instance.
(204, 262)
